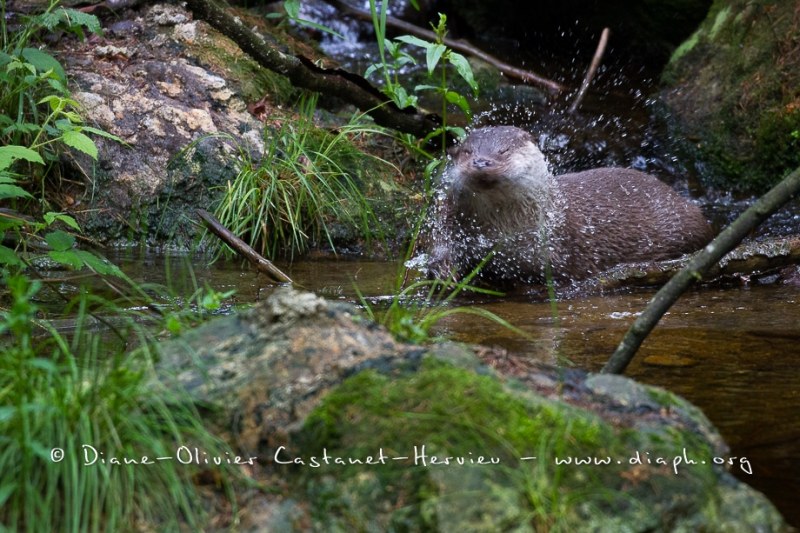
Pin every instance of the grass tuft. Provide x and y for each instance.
(303, 188)
(64, 398)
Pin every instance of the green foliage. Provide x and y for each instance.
(59, 396)
(39, 120)
(438, 58)
(306, 181)
(416, 309)
(36, 108)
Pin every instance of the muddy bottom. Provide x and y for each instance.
(734, 352)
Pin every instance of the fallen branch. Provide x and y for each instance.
(458, 45)
(242, 248)
(587, 80)
(752, 259)
(698, 267)
(303, 73)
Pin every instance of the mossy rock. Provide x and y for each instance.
(734, 94)
(478, 430)
(296, 380)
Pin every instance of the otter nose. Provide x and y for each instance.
(480, 162)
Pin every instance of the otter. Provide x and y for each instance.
(499, 196)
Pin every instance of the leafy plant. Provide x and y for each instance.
(305, 181)
(60, 243)
(36, 108)
(39, 120)
(437, 58)
(410, 318)
(68, 408)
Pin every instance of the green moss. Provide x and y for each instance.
(453, 412)
(777, 142)
(738, 89)
(685, 47)
(251, 80)
(719, 20)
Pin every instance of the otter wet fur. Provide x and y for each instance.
(498, 195)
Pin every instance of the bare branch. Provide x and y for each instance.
(303, 73)
(587, 80)
(242, 248)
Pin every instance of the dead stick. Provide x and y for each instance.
(459, 45)
(587, 80)
(242, 248)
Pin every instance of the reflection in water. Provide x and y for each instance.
(733, 351)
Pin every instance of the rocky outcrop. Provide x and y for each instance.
(351, 429)
(162, 83)
(733, 93)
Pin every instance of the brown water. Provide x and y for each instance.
(734, 352)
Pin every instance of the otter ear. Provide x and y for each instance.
(453, 150)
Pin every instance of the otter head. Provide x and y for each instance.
(502, 158)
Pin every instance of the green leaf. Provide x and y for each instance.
(69, 258)
(173, 324)
(102, 133)
(433, 55)
(414, 41)
(98, 264)
(292, 8)
(392, 47)
(77, 19)
(372, 68)
(60, 241)
(79, 141)
(9, 257)
(457, 131)
(464, 70)
(11, 487)
(44, 62)
(51, 217)
(457, 99)
(25, 128)
(56, 103)
(9, 153)
(43, 364)
(12, 191)
(424, 87)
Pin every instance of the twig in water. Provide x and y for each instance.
(242, 248)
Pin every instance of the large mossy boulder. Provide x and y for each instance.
(733, 92)
(352, 430)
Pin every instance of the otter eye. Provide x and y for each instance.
(503, 151)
